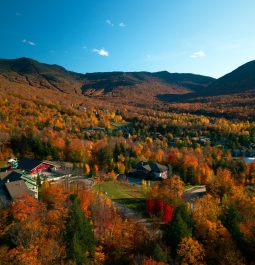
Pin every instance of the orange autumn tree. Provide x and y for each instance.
(28, 230)
(150, 261)
(221, 184)
(38, 227)
(56, 199)
(87, 168)
(159, 155)
(169, 190)
(86, 196)
(191, 252)
(250, 173)
(206, 208)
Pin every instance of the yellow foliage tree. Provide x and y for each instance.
(191, 252)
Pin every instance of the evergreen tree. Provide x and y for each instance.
(79, 235)
(122, 148)
(191, 175)
(159, 254)
(104, 158)
(38, 181)
(116, 152)
(231, 219)
(180, 227)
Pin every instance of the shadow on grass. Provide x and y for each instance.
(138, 205)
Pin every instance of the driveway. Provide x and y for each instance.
(194, 193)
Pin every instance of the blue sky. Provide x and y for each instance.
(197, 36)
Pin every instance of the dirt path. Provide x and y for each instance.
(128, 213)
(188, 195)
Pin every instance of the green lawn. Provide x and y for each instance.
(115, 125)
(130, 195)
(3, 164)
(189, 186)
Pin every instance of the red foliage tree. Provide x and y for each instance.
(159, 206)
(167, 214)
(150, 206)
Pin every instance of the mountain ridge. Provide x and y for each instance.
(27, 70)
(127, 87)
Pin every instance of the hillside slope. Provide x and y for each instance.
(230, 96)
(233, 92)
(112, 81)
(109, 84)
(240, 80)
(35, 74)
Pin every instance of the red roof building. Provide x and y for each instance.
(32, 166)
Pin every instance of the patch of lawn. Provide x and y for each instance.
(189, 186)
(122, 123)
(138, 205)
(3, 164)
(126, 194)
(119, 190)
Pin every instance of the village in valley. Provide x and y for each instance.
(26, 176)
(151, 174)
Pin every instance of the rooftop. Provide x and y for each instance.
(17, 189)
(150, 166)
(10, 175)
(28, 164)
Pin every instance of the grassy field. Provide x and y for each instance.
(131, 196)
(189, 186)
(115, 125)
(127, 194)
(3, 164)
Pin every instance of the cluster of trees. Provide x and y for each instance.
(195, 165)
(233, 106)
(71, 225)
(198, 165)
(74, 225)
(217, 228)
(78, 226)
(60, 127)
(185, 129)
(55, 129)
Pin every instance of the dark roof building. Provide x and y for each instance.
(54, 164)
(33, 166)
(150, 170)
(149, 166)
(155, 167)
(12, 186)
(143, 166)
(17, 189)
(9, 176)
(28, 164)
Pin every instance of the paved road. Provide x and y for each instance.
(194, 193)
